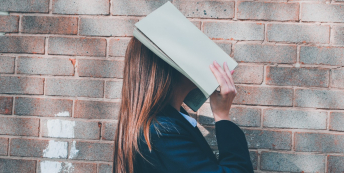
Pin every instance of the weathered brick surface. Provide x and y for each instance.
(319, 142)
(50, 25)
(224, 45)
(22, 44)
(274, 161)
(322, 12)
(6, 105)
(338, 35)
(45, 66)
(133, 7)
(108, 130)
(19, 126)
(268, 139)
(96, 109)
(16, 165)
(38, 148)
(249, 74)
(335, 164)
(9, 23)
(81, 7)
(101, 68)
(234, 30)
(322, 55)
(265, 53)
(262, 95)
(74, 87)
(101, 26)
(93, 151)
(3, 146)
(337, 121)
(298, 33)
(292, 76)
(77, 46)
(268, 10)
(254, 159)
(118, 46)
(337, 78)
(206, 9)
(319, 98)
(57, 128)
(105, 168)
(43, 107)
(113, 89)
(242, 116)
(46, 166)
(209, 134)
(33, 6)
(21, 85)
(289, 118)
(7, 64)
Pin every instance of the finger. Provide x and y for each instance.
(220, 79)
(225, 65)
(222, 72)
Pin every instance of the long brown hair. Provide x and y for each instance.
(147, 87)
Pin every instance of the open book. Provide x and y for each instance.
(176, 40)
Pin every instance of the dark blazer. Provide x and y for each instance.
(179, 147)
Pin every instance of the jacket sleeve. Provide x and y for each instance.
(175, 151)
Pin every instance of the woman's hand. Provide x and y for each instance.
(221, 101)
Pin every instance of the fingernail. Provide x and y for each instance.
(211, 65)
(232, 71)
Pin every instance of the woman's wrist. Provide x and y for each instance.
(219, 118)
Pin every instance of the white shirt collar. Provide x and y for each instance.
(190, 119)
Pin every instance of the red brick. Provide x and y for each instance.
(21, 85)
(265, 53)
(118, 46)
(38, 6)
(319, 142)
(81, 7)
(335, 164)
(15, 165)
(319, 98)
(6, 105)
(45, 66)
(91, 151)
(292, 76)
(22, 44)
(322, 55)
(77, 46)
(108, 130)
(44, 166)
(105, 168)
(96, 109)
(49, 25)
(224, 45)
(338, 35)
(249, 74)
(263, 95)
(337, 121)
(294, 118)
(19, 126)
(45, 107)
(268, 11)
(134, 7)
(206, 9)
(7, 64)
(3, 146)
(322, 12)
(233, 30)
(337, 77)
(298, 33)
(60, 128)
(38, 148)
(209, 134)
(9, 23)
(100, 68)
(101, 26)
(196, 23)
(113, 89)
(74, 87)
(268, 139)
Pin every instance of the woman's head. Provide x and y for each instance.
(148, 85)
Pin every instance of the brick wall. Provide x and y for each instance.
(61, 65)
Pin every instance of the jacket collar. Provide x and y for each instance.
(171, 112)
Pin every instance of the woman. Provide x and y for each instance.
(153, 135)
